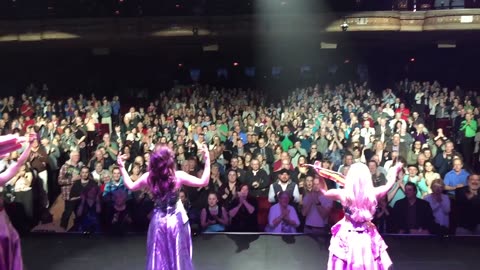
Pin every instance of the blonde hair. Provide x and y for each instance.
(360, 196)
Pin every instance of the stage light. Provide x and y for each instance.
(235, 64)
(344, 25)
(180, 65)
(346, 61)
(412, 59)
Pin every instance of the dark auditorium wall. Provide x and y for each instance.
(70, 70)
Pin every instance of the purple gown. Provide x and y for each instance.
(169, 244)
(10, 249)
(357, 246)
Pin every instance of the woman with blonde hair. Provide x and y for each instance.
(440, 204)
(356, 243)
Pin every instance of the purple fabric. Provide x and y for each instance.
(169, 245)
(357, 247)
(10, 249)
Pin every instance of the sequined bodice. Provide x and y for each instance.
(348, 213)
(168, 203)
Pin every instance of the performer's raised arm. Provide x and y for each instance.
(10, 143)
(12, 170)
(186, 179)
(182, 177)
(333, 194)
(391, 178)
(142, 182)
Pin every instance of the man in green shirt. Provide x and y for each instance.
(110, 147)
(468, 130)
(105, 112)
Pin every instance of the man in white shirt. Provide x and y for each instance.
(366, 132)
(316, 209)
(284, 183)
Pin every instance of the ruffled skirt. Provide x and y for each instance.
(357, 248)
(169, 244)
(10, 248)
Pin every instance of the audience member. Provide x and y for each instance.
(440, 204)
(467, 201)
(282, 217)
(243, 212)
(214, 217)
(411, 214)
(316, 209)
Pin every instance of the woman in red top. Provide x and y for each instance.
(404, 111)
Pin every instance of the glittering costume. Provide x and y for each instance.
(357, 246)
(10, 250)
(169, 244)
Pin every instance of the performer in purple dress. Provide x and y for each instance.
(10, 249)
(169, 244)
(356, 243)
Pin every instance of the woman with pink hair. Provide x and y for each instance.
(10, 249)
(356, 243)
(169, 245)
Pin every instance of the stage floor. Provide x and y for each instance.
(245, 252)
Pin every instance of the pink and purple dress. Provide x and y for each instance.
(357, 246)
(10, 248)
(169, 244)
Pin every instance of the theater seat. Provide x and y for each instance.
(262, 214)
(101, 129)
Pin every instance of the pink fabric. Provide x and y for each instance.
(10, 250)
(357, 247)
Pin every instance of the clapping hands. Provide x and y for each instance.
(285, 213)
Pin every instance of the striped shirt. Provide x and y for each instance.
(65, 176)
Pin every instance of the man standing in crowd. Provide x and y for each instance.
(69, 174)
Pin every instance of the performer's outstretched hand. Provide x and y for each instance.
(398, 166)
(10, 143)
(206, 152)
(326, 173)
(121, 160)
(392, 174)
(32, 137)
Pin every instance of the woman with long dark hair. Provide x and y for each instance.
(169, 245)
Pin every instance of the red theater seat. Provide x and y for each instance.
(102, 129)
(262, 214)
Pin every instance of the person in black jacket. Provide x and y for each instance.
(411, 214)
(257, 179)
(468, 206)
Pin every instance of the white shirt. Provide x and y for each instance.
(271, 192)
(313, 217)
(366, 133)
(389, 111)
(394, 121)
(440, 210)
(282, 227)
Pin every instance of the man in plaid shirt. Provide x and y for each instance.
(69, 173)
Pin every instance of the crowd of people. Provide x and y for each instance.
(258, 147)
